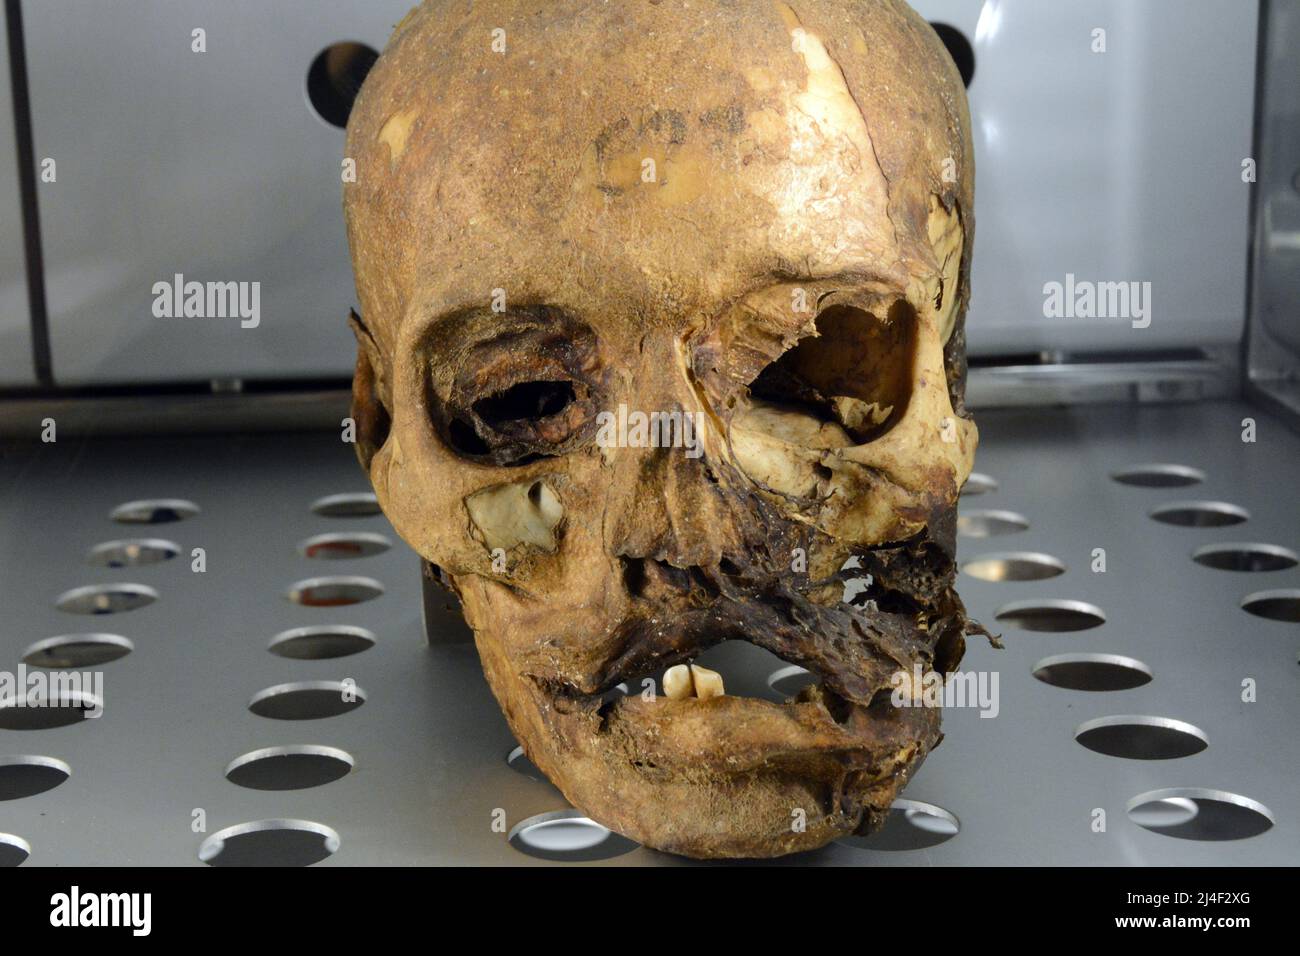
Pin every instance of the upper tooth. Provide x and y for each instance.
(677, 682)
(707, 683)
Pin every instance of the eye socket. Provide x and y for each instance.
(856, 372)
(525, 385)
(465, 440)
(525, 401)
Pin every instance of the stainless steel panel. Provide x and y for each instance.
(1114, 167)
(1122, 166)
(429, 743)
(212, 165)
(16, 365)
(1274, 333)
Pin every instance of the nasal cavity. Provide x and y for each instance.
(856, 372)
(650, 578)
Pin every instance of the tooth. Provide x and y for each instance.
(677, 682)
(707, 683)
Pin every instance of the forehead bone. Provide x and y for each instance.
(643, 155)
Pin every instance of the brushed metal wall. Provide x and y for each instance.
(212, 165)
(1123, 166)
(16, 367)
(1119, 166)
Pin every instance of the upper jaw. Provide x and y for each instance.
(854, 651)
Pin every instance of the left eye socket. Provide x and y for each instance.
(856, 372)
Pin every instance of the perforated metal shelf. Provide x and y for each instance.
(428, 746)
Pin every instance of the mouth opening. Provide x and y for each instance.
(703, 619)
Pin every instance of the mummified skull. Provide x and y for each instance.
(754, 212)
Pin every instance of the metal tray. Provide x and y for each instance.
(430, 782)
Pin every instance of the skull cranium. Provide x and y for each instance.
(753, 215)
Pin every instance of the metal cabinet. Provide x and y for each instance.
(1116, 166)
(212, 165)
(16, 364)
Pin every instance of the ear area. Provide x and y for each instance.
(371, 402)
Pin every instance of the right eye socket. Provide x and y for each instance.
(524, 421)
(526, 401)
(527, 392)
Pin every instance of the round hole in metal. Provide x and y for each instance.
(1218, 814)
(1167, 812)
(132, 553)
(307, 700)
(295, 767)
(14, 850)
(518, 761)
(154, 511)
(1159, 476)
(270, 843)
(1141, 738)
(568, 836)
(788, 681)
(27, 776)
(1054, 616)
(334, 79)
(1282, 604)
(1244, 556)
(1014, 566)
(321, 643)
(959, 48)
(1200, 514)
(985, 523)
(359, 504)
(77, 650)
(344, 546)
(105, 598)
(1094, 672)
(978, 484)
(45, 712)
(334, 591)
(911, 825)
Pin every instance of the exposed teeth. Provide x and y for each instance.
(707, 683)
(681, 682)
(677, 682)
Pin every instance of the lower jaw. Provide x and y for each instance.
(735, 777)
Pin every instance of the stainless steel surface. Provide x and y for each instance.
(213, 165)
(1121, 166)
(1273, 332)
(1077, 383)
(145, 414)
(16, 367)
(1115, 166)
(429, 745)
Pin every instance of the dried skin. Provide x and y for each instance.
(769, 240)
